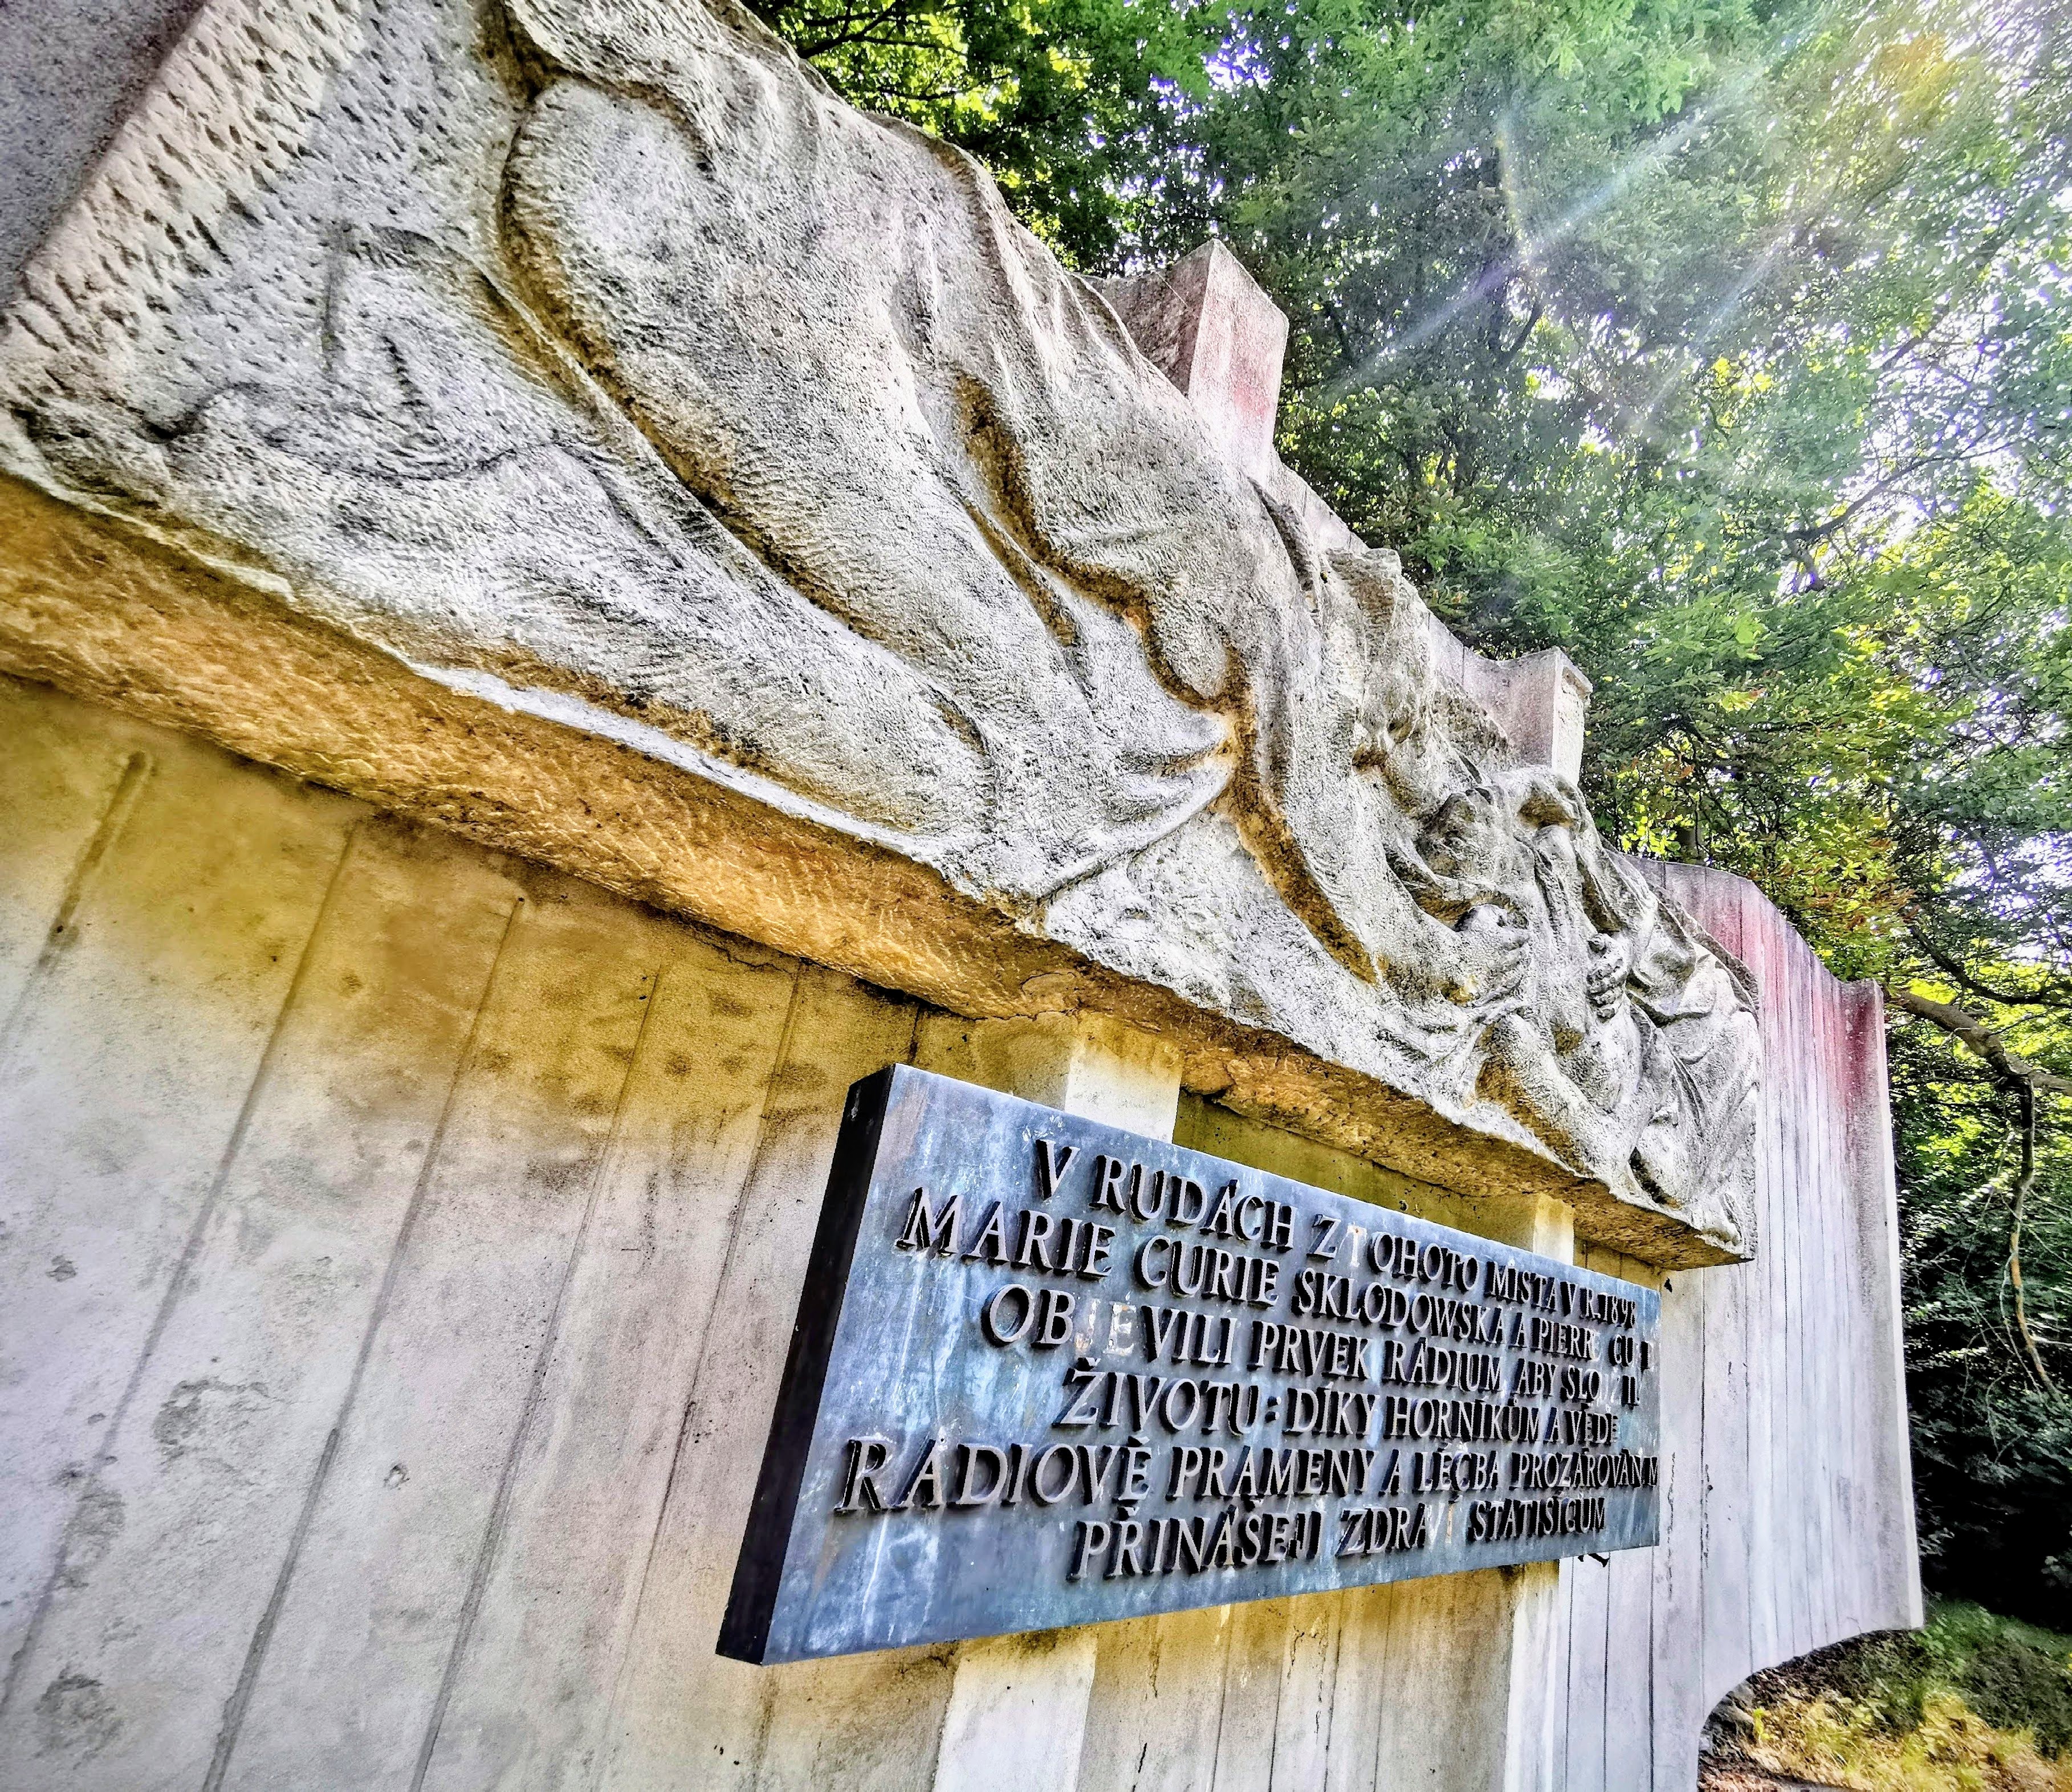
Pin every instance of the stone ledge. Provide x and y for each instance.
(96, 606)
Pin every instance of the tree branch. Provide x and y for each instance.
(2011, 1067)
(1525, 330)
(2023, 1184)
(1955, 971)
(1811, 534)
(2027, 1080)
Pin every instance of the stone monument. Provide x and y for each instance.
(566, 597)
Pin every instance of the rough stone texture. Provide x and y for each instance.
(71, 70)
(585, 383)
(399, 1244)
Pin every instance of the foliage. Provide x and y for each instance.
(1727, 344)
(1993, 1451)
(1972, 1700)
(1077, 107)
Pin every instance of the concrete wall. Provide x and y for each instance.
(1789, 1490)
(399, 1245)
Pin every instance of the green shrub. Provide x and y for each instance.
(2013, 1677)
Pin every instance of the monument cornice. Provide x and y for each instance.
(95, 604)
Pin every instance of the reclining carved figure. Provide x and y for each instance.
(757, 428)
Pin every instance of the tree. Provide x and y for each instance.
(1077, 107)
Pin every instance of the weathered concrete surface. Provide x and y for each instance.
(1790, 1515)
(113, 614)
(590, 377)
(399, 1246)
(1211, 330)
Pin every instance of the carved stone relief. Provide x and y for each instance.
(591, 355)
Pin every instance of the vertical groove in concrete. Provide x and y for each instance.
(691, 1394)
(121, 803)
(499, 1507)
(197, 1229)
(240, 1702)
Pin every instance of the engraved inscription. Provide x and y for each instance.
(1048, 1373)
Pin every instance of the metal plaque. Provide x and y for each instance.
(1048, 1372)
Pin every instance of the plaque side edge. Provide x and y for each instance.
(758, 1574)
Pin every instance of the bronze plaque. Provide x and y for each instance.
(1048, 1372)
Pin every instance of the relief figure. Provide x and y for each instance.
(756, 432)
